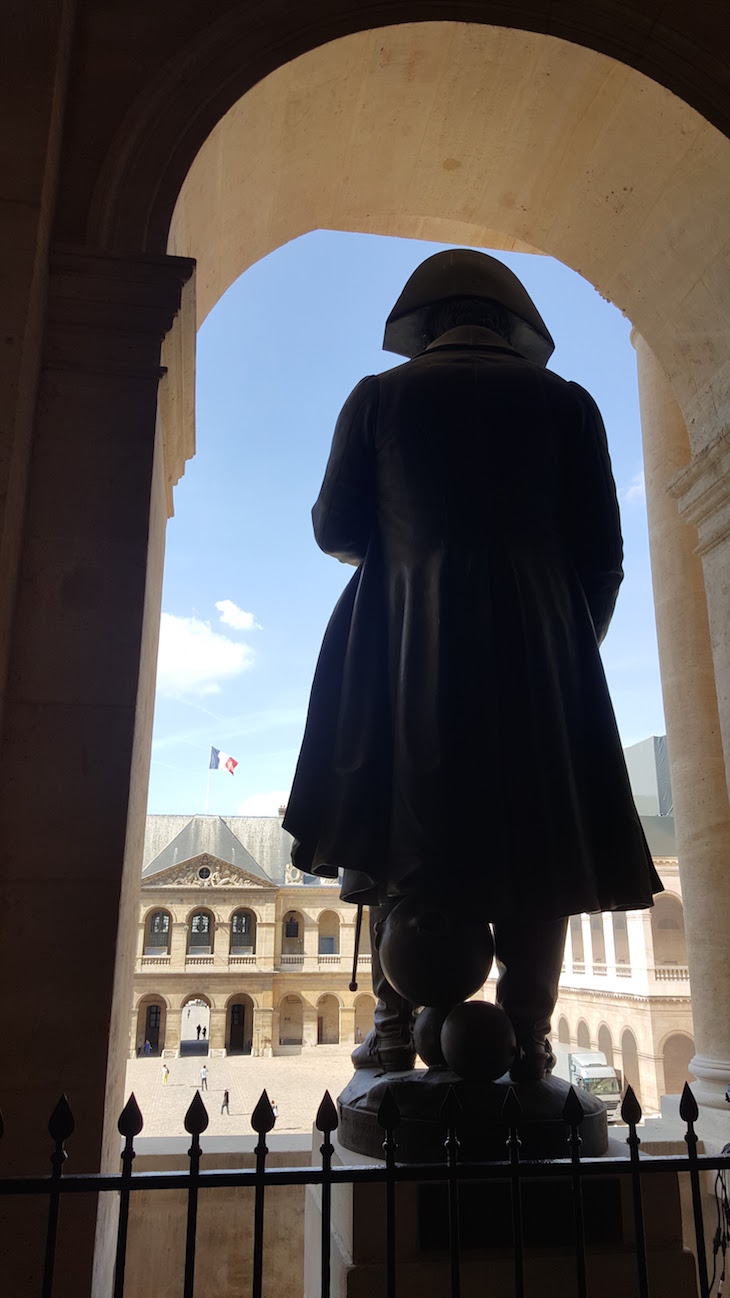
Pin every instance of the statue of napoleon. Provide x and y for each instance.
(460, 743)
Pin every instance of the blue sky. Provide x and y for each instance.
(247, 594)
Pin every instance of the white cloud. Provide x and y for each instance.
(238, 618)
(194, 659)
(264, 804)
(636, 491)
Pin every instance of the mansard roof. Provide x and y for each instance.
(207, 836)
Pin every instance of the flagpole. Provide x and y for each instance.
(207, 791)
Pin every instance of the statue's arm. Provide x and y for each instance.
(592, 507)
(345, 508)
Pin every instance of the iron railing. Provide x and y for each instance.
(516, 1173)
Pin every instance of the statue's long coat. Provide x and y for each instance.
(460, 732)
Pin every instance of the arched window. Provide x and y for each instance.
(239, 1033)
(243, 933)
(598, 943)
(576, 942)
(583, 1036)
(200, 933)
(563, 1031)
(677, 1053)
(328, 933)
(621, 937)
(667, 929)
(157, 933)
(292, 934)
(364, 1011)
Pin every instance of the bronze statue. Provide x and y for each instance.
(460, 746)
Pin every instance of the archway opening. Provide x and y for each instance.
(575, 928)
(292, 938)
(328, 936)
(364, 1011)
(677, 1055)
(605, 1043)
(201, 930)
(630, 1062)
(157, 933)
(239, 1025)
(243, 933)
(195, 1026)
(583, 1036)
(291, 1021)
(563, 1031)
(328, 1021)
(151, 1026)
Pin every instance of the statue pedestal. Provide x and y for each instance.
(420, 1095)
(358, 1237)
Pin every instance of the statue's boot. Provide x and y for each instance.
(529, 958)
(389, 1046)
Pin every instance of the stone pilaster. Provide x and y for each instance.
(702, 813)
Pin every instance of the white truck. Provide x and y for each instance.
(589, 1070)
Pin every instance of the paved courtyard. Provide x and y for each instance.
(296, 1082)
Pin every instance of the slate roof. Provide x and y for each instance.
(659, 832)
(208, 834)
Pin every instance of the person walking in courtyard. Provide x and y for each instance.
(224, 1105)
(147, 1048)
(165, 1074)
(204, 1078)
(198, 1031)
(204, 1033)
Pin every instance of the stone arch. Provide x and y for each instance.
(157, 931)
(667, 930)
(239, 1024)
(605, 1042)
(195, 1010)
(563, 1030)
(582, 1035)
(291, 1020)
(328, 933)
(630, 1062)
(200, 926)
(151, 1024)
(677, 1052)
(364, 1011)
(328, 1020)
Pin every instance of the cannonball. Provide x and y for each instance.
(427, 1035)
(478, 1041)
(434, 953)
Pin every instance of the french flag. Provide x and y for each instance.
(220, 761)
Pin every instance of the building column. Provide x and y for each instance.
(178, 944)
(83, 650)
(702, 812)
(217, 1032)
(347, 1025)
(309, 1023)
(610, 945)
(263, 1031)
(173, 1032)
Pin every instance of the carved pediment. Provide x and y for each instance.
(205, 871)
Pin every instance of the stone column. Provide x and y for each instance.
(178, 944)
(263, 1031)
(173, 1031)
(702, 813)
(81, 682)
(217, 1031)
(309, 1023)
(347, 1025)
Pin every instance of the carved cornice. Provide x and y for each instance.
(702, 491)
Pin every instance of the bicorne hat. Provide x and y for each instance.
(460, 273)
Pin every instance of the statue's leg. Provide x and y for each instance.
(529, 958)
(390, 1044)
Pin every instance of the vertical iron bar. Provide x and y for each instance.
(129, 1125)
(389, 1119)
(326, 1122)
(511, 1114)
(196, 1121)
(631, 1114)
(689, 1113)
(573, 1115)
(262, 1121)
(451, 1111)
(60, 1127)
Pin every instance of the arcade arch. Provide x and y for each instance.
(201, 933)
(243, 932)
(291, 1021)
(195, 1024)
(583, 1036)
(364, 1012)
(677, 1053)
(239, 1024)
(328, 1021)
(328, 933)
(151, 1024)
(563, 1031)
(605, 1043)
